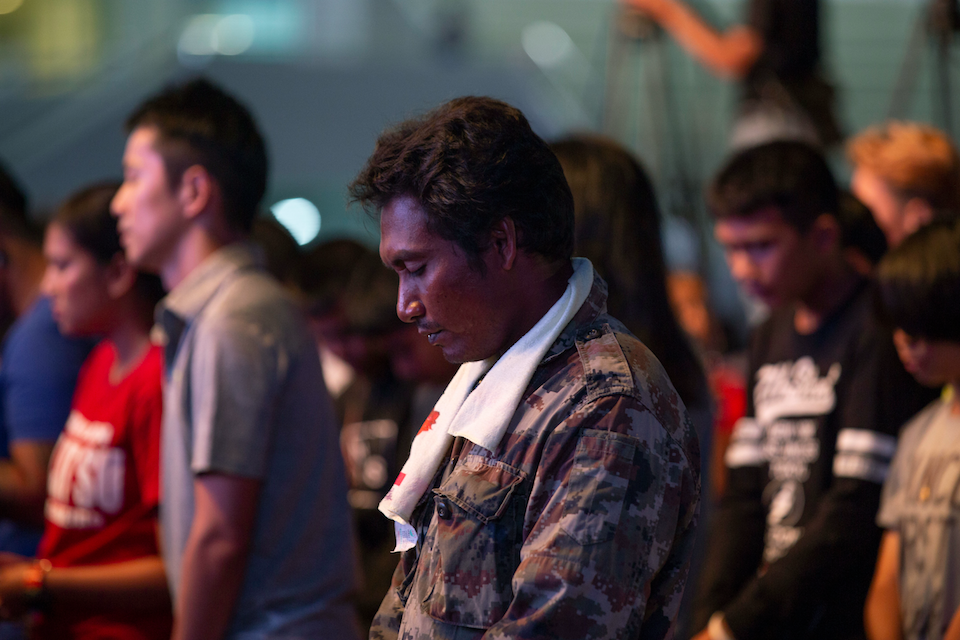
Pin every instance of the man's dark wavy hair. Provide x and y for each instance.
(200, 124)
(918, 283)
(470, 163)
(791, 176)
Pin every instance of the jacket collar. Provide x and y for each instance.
(594, 306)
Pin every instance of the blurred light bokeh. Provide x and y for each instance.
(324, 77)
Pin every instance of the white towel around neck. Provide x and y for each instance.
(480, 412)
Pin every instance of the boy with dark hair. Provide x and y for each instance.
(254, 518)
(914, 594)
(794, 539)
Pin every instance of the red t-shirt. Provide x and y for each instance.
(103, 487)
(730, 391)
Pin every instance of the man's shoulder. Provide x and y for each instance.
(250, 289)
(36, 323)
(35, 342)
(607, 361)
(915, 428)
(614, 361)
(252, 297)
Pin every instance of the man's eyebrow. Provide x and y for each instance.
(402, 256)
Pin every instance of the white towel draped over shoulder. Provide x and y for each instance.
(480, 412)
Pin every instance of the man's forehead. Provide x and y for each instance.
(403, 224)
(764, 223)
(403, 208)
(141, 142)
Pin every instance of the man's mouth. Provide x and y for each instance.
(759, 292)
(431, 334)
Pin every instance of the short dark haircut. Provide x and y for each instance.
(791, 176)
(470, 163)
(918, 283)
(325, 273)
(281, 253)
(200, 124)
(14, 216)
(859, 229)
(87, 219)
(12, 198)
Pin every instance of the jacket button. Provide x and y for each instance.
(443, 509)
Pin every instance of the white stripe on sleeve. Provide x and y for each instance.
(860, 467)
(864, 441)
(746, 445)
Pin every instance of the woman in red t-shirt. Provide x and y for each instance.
(98, 572)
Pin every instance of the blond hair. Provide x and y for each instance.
(913, 158)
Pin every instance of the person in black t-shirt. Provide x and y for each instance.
(794, 539)
(775, 55)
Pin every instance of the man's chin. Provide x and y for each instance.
(454, 355)
(928, 379)
(133, 257)
(456, 351)
(453, 358)
(141, 262)
(764, 297)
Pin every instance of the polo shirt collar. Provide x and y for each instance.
(191, 295)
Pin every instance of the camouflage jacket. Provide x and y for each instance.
(579, 525)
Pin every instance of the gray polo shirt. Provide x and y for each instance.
(244, 396)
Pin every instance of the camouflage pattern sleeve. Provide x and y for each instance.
(386, 623)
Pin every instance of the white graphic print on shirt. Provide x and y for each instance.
(789, 398)
(86, 475)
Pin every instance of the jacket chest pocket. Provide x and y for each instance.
(476, 543)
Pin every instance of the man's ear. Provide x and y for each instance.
(917, 213)
(504, 239)
(196, 190)
(825, 233)
(121, 276)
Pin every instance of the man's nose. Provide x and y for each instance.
(741, 266)
(116, 205)
(409, 307)
(46, 283)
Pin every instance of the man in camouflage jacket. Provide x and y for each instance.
(580, 523)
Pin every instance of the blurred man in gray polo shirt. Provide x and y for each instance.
(254, 517)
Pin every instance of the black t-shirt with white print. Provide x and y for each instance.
(794, 543)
